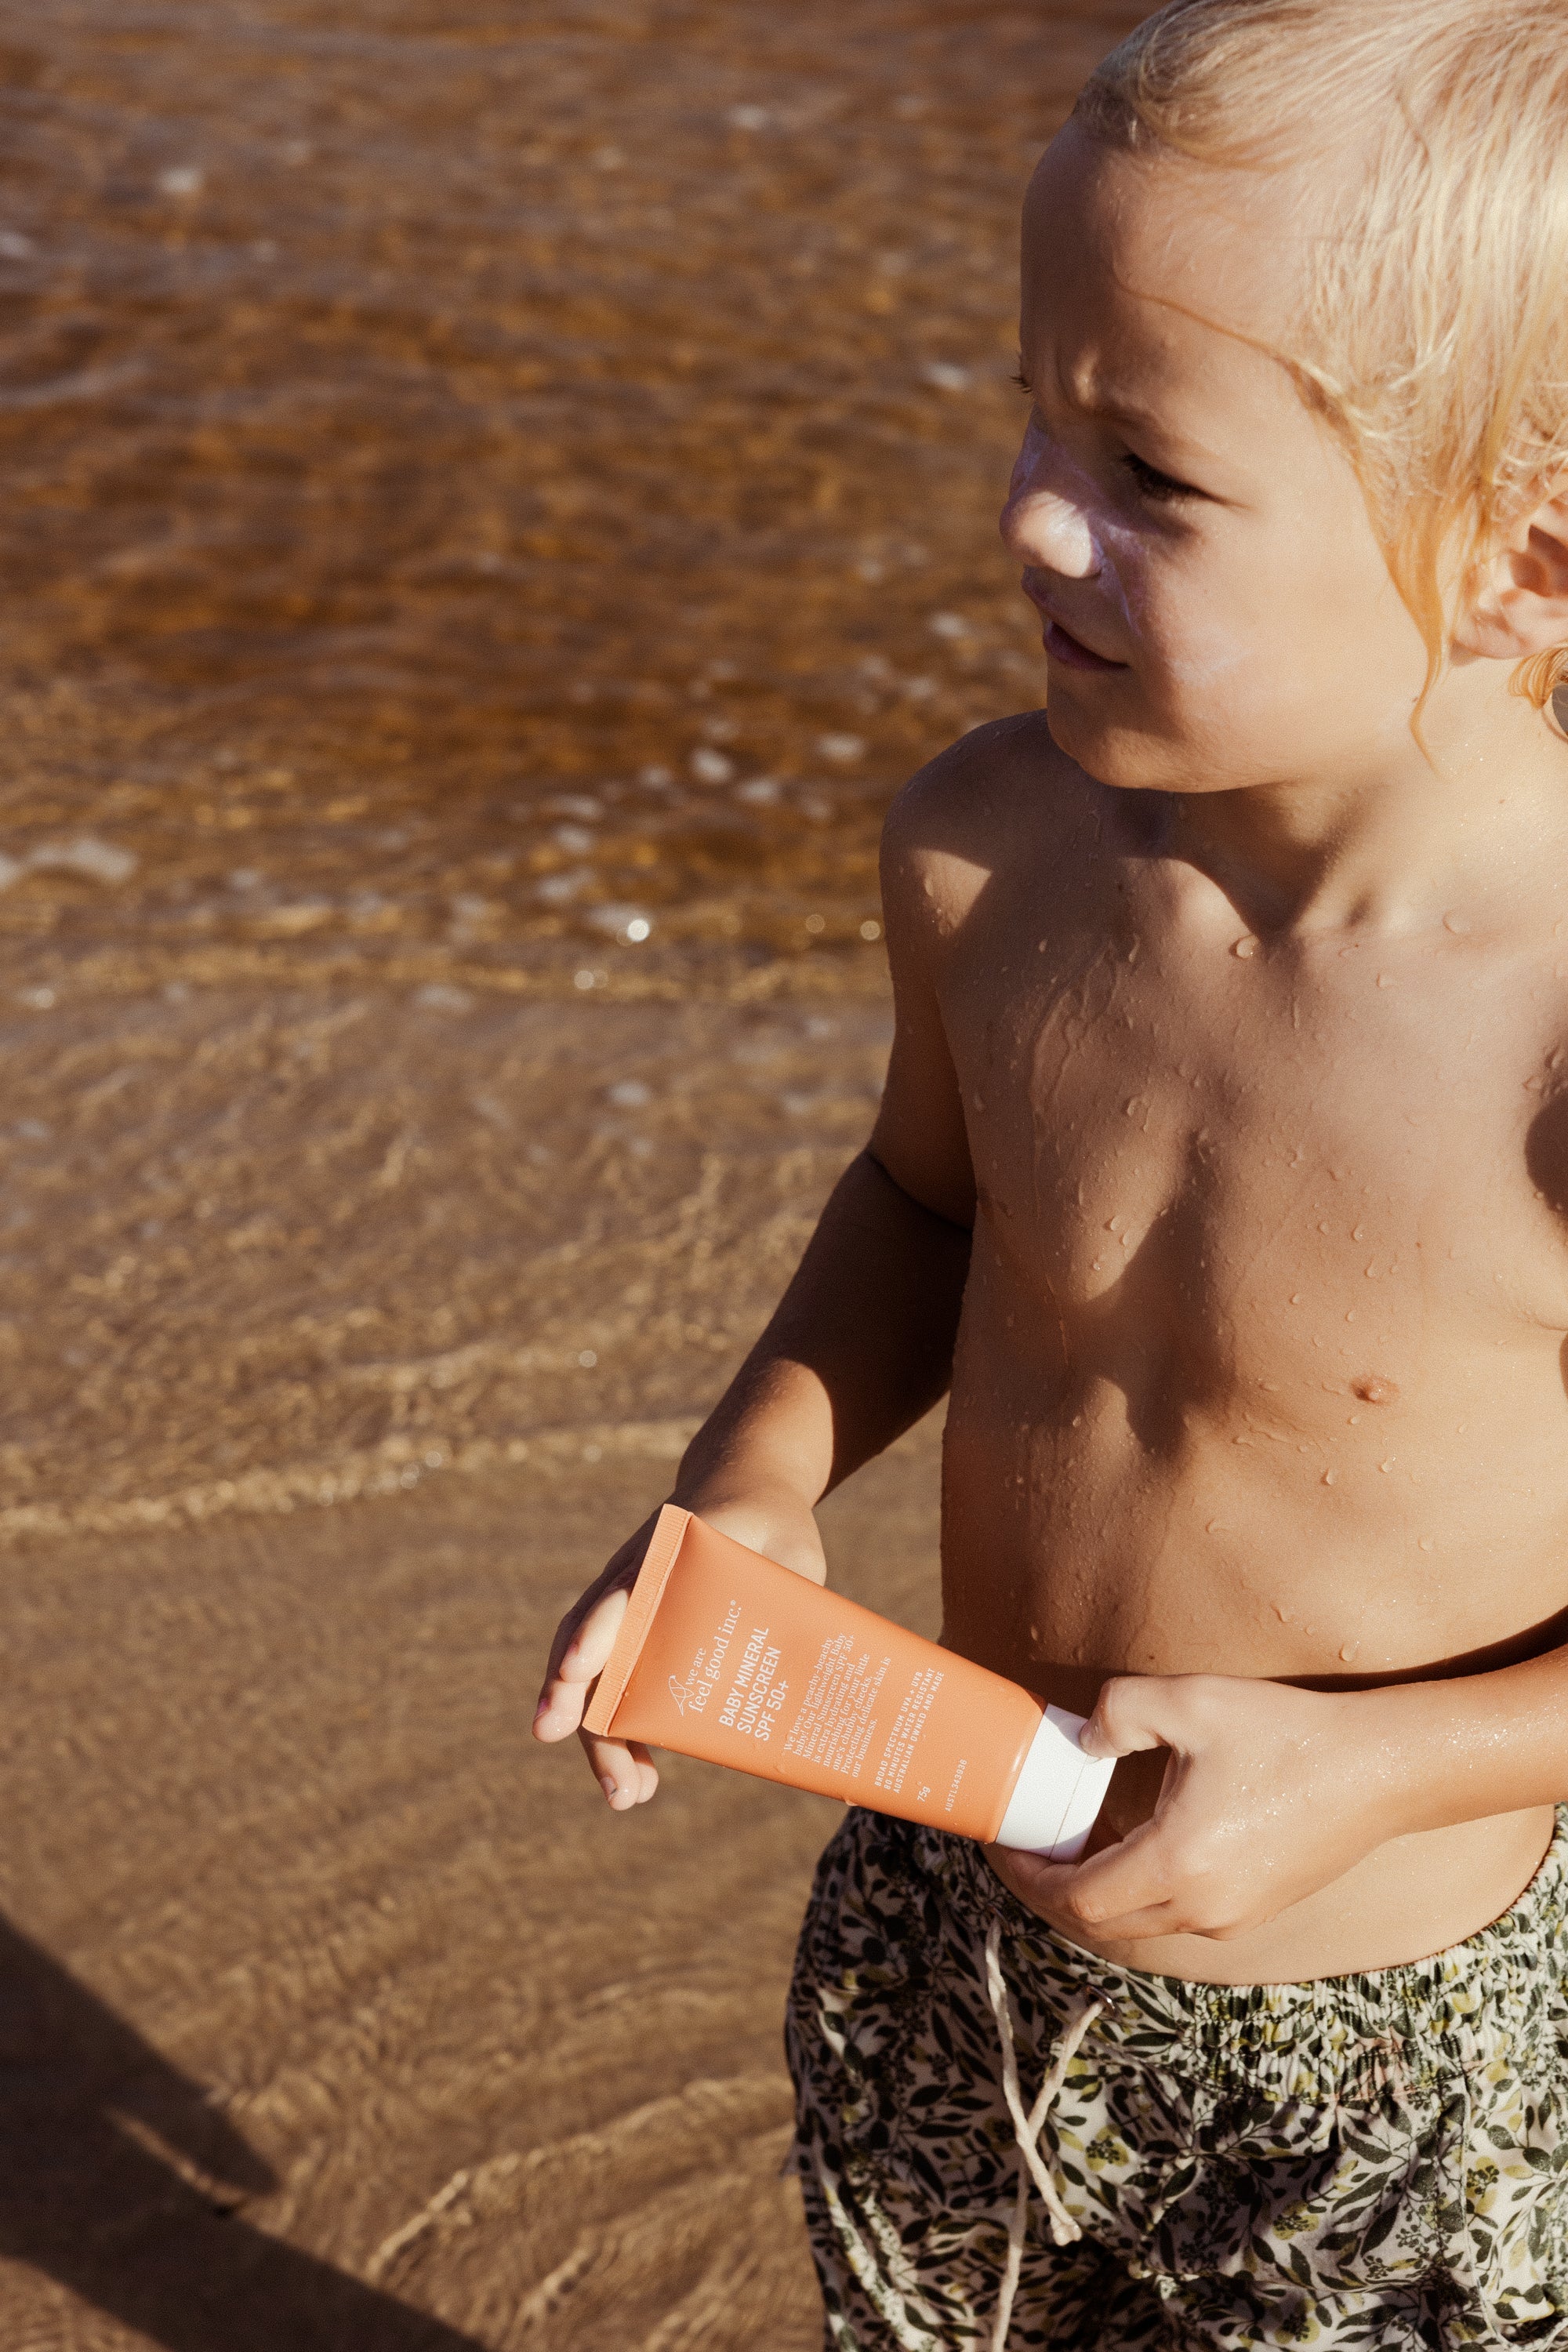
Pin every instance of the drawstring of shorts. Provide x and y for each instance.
(1027, 2129)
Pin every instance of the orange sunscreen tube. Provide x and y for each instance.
(725, 1655)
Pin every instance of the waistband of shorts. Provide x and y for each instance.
(1409, 2027)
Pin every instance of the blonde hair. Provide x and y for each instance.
(1434, 335)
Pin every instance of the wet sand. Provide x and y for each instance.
(330, 1999)
(492, 507)
(338, 2017)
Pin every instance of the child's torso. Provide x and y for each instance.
(1261, 1364)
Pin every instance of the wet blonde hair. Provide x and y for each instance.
(1434, 335)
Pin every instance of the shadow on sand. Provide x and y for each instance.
(122, 2181)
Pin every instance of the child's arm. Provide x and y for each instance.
(1271, 1793)
(860, 1347)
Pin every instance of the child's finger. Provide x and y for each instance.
(625, 1770)
(1126, 1879)
(1130, 1714)
(1130, 1927)
(583, 1655)
(1056, 1888)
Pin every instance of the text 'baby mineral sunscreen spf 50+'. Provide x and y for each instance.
(725, 1655)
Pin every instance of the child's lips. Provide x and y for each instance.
(1063, 646)
(1061, 642)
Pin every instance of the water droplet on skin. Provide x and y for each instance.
(1328, 1477)
(1426, 1543)
(1354, 1418)
(1457, 924)
(1369, 1272)
(1359, 1235)
(1350, 1314)
(1385, 979)
(1386, 1465)
(1295, 1298)
(1373, 1388)
(1245, 949)
(1351, 1650)
(1214, 1527)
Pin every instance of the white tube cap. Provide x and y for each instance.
(1058, 1792)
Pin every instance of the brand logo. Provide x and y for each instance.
(698, 1688)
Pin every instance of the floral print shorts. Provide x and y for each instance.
(1375, 2161)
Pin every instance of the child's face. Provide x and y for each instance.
(1181, 513)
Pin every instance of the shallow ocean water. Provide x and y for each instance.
(497, 496)
(476, 477)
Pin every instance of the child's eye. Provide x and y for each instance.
(1152, 483)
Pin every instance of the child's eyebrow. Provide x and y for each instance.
(1123, 412)
(1113, 408)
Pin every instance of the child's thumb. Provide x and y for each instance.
(1130, 1714)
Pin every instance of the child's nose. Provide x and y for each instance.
(1050, 533)
(1039, 520)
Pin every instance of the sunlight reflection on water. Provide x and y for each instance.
(497, 484)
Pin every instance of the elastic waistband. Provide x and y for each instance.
(1334, 2037)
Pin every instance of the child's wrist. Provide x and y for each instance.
(739, 1471)
(728, 1486)
(769, 1514)
(1406, 1756)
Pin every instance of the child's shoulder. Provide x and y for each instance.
(1004, 795)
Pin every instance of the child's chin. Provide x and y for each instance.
(1113, 755)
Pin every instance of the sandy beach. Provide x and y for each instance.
(494, 506)
(335, 2008)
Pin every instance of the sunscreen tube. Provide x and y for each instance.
(725, 1655)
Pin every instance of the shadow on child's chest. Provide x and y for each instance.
(1243, 1172)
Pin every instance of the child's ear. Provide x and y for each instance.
(1521, 605)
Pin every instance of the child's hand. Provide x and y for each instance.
(1270, 1793)
(772, 1519)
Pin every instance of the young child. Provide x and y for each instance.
(1223, 1173)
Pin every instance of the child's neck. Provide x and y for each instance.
(1483, 828)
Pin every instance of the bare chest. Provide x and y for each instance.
(1271, 1165)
